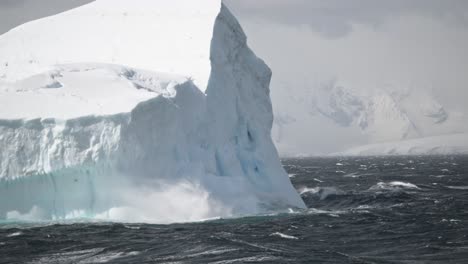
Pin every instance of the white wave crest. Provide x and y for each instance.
(322, 192)
(284, 236)
(394, 185)
(181, 202)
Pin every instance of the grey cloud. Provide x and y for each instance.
(10, 3)
(334, 18)
(16, 12)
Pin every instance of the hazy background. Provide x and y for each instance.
(362, 45)
(370, 42)
(369, 47)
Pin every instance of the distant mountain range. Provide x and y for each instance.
(330, 118)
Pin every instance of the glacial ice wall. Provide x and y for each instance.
(184, 152)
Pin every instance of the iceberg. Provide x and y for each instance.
(137, 111)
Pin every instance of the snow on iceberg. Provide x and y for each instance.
(186, 139)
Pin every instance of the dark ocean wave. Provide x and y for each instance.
(361, 210)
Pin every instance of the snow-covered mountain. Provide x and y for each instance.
(438, 145)
(146, 110)
(328, 118)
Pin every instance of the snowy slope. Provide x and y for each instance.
(324, 118)
(84, 132)
(437, 145)
(156, 35)
(74, 90)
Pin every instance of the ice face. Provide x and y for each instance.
(176, 150)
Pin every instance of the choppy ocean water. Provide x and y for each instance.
(361, 210)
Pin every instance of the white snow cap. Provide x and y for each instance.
(157, 35)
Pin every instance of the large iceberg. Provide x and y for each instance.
(146, 110)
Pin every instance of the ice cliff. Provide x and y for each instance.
(86, 132)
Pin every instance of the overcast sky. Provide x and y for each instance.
(335, 18)
(361, 43)
(16, 12)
